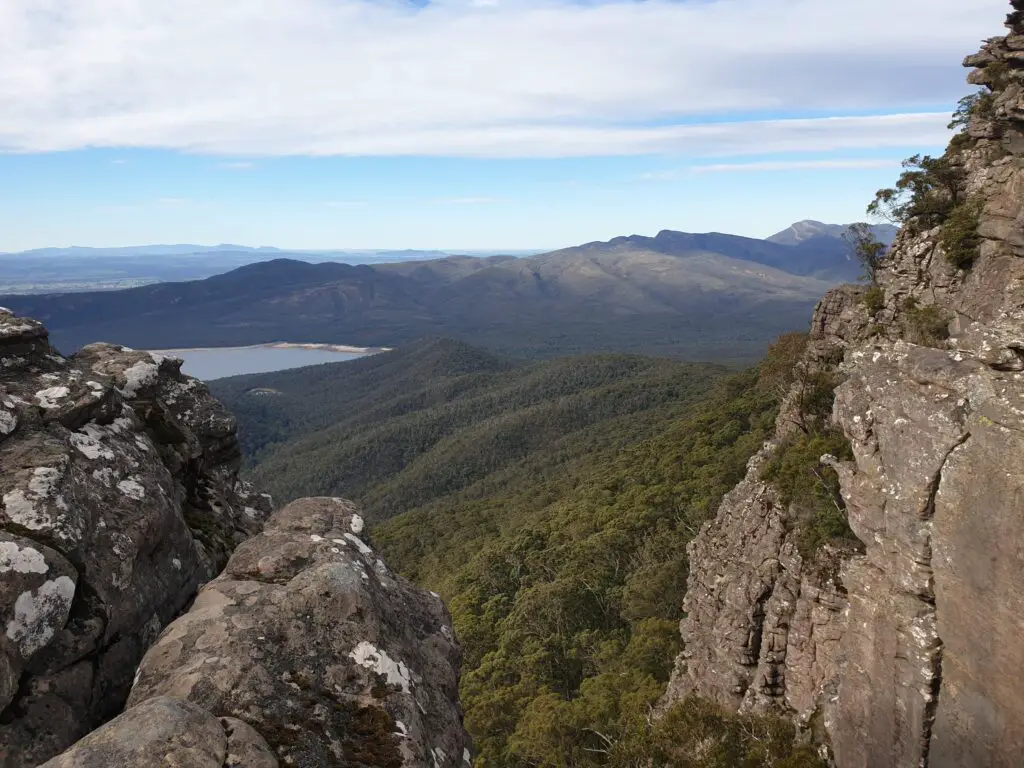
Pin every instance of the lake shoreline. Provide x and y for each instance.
(344, 348)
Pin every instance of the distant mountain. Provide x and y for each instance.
(138, 250)
(62, 270)
(808, 229)
(693, 296)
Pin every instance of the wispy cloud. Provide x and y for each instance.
(119, 161)
(796, 165)
(173, 201)
(769, 166)
(237, 165)
(369, 77)
(465, 200)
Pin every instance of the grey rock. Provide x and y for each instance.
(910, 649)
(165, 732)
(119, 496)
(312, 641)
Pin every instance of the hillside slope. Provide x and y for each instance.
(550, 504)
(401, 429)
(687, 296)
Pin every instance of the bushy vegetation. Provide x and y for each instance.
(867, 249)
(401, 429)
(977, 105)
(564, 564)
(959, 237)
(874, 299)
(925, 325)
(925, 193)
(930, 191)
(692, 734)
(811, 489)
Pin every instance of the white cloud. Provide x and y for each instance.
(461, 77)
(466, 201)
(238, 165)
(796, 165)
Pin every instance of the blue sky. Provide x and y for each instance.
(463, 123)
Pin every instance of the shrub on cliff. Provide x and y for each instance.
(927, 326)
(810, 488)
(959, 237)
(924, 195)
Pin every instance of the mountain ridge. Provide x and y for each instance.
(676, 294)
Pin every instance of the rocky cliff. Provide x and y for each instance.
(120, 499)
(904, 650)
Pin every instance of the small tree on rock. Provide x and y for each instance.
(866, 248)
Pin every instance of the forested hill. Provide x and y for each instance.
(402, 428)
(550, 504)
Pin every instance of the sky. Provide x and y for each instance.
(463, 124)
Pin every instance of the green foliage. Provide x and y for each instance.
(777, 371)
(927, 326)
(564, 561)
(925, 193)
(403, 429)
(699, 734)
(959, 237)
(866, 248)
(811, 488)
(977, 105)
(566, 591)
(874, 299)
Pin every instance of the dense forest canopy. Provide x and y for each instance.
(550, 505)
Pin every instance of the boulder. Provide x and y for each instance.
(311, 640)
(119, 496)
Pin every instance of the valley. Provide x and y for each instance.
(549, 503)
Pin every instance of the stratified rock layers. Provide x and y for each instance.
(911, 650)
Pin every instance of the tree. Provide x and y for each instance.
(925, 193)
(977, 104)
(866, 248)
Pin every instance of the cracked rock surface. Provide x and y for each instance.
(310, 639)
(119, 496)
(907, 652)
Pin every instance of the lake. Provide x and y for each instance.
(218, 362)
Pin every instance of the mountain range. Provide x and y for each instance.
(692, 296)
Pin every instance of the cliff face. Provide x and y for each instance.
(909, 647)
(119, 499)
(305, 651)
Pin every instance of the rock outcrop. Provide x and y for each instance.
(908, 650)
(120, 501)
(305, 651)
(119, 497)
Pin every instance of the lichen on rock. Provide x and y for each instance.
(102, 475)
(907, 651)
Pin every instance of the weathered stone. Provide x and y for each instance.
(311, 640)
(915, 648)
(165, 732)
(119, 496)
